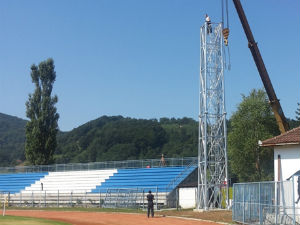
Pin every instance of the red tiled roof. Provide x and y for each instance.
(289, 138)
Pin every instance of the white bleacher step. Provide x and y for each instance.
(88, 172)
(71, 180)
(74, 178)
(82, 181)
(61, 187)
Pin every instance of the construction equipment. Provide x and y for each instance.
(274, 102)
(225, 26)
(225, 33)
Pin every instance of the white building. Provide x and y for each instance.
(286, 153)
(287, 161)
(187, 194)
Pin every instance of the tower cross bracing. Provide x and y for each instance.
(212, 143)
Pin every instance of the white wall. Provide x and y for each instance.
(290, 160)
(290, 163)
(187, 197)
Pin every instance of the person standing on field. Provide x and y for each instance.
(150, 198)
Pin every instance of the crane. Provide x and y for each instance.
(273, 100)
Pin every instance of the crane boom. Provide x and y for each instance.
(274, 102)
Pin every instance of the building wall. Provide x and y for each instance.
(290, 160)
(187, 197)
(290, 164)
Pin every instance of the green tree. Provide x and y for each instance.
(253, 121)
(42, 128)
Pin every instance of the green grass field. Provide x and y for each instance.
(13, 220)
(80, 209)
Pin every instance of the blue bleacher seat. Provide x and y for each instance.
(154, 179)
(14, 183)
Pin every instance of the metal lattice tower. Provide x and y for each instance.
(212, 154)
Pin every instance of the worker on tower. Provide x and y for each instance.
(208, 23)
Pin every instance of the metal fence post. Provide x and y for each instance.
(233, 202)
(117, 198)
(85, 200)
(243, 203)
(71, 198)
(176, 199)
(99, 199)
(156, 198)
(57, 198)
(8, 200)
(32, 198)
(259, 204)
(21, 198)
(143, 199)
(45, 199)
(294, 210)
(276, 201)
(4, 202)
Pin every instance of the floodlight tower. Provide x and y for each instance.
(212, 153)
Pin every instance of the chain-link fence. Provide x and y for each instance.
(100, 165)
(266, 203)
(109, 198)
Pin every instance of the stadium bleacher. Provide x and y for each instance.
(103, 187)
(94, 181)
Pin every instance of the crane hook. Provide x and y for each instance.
(225, 32)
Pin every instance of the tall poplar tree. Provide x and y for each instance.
(42, 128)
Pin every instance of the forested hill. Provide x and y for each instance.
(106, 138)
(119, 138)
(12, 139)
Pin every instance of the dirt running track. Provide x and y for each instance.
(100, 218)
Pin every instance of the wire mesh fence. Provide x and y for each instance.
(100, 165)
(265, 203)
(109, 198)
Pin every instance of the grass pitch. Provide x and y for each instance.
(13, 220)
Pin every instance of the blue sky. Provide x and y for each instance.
(140, 58)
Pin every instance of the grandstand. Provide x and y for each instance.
(105, 187)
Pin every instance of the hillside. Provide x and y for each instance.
(106, 138)
(12, 139)
(119, 138)
(109, 138)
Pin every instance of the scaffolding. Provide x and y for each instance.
(212, 154)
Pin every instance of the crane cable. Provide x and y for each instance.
(225, 31)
